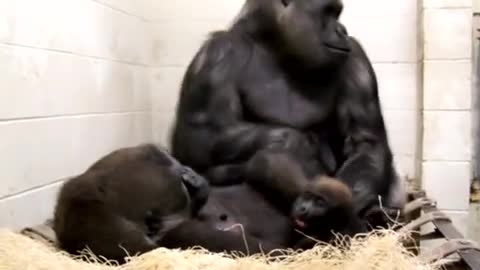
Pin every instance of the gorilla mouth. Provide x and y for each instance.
(300, 224)
(337, 49)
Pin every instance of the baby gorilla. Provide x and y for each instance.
(127, 201)
(325, 206)
(318, 207)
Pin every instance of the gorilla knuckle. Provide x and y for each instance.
(193, 181)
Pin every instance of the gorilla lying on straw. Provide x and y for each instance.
(137, 199)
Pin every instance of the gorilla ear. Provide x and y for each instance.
(286, 2)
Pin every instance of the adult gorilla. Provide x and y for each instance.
(286, 77)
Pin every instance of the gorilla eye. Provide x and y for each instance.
(333, 10)
(319, 202)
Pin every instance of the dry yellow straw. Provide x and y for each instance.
(382, 250)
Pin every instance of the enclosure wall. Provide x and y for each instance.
(74, 85)
(447, 106)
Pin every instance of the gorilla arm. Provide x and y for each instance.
(368, 167)
(210, 128)
(209, 124)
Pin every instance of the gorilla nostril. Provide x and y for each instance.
(186, 177)
(342, 30)
(223, 217)
(286, 2)
(302, 210)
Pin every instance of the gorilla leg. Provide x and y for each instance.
(103, 232)
(197, 233)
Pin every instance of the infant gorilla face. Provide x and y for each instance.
(324, 201)
(308, 210)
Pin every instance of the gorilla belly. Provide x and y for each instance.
(240, 209)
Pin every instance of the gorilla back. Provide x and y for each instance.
(286, 76)
(127, 201)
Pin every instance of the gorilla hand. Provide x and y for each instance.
(197, 187)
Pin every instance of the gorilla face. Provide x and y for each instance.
(310, 211)
(325, 204)
(311, 31)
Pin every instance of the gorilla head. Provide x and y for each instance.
(311, 30)
(325, 207)
(308, 30)
(326, 204)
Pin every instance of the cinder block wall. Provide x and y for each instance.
(447, 105)
(74, 85)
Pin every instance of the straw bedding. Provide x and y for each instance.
(382, 250)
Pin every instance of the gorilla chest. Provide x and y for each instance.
(271, 96)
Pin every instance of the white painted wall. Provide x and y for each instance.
(74, 85)
(447, 105)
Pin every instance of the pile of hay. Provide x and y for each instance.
(382, 250)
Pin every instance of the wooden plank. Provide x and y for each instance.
(448, 230)
(415, 246)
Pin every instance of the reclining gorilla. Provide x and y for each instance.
(287, 77)
(136, 199)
